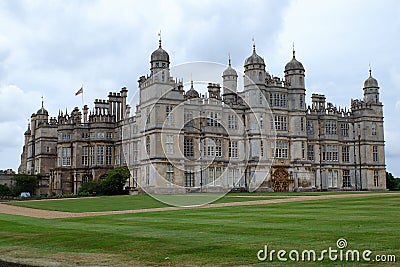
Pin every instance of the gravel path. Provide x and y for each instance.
(49, 214)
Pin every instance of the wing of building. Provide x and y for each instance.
(262, 136)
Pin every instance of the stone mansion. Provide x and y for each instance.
(262, 136)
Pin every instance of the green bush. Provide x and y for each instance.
(25, 183)
(112, 184)
(5, 191)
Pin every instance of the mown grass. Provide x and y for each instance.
(227, 236)
(124, 202)
(145, 201)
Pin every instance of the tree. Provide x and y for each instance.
(5, 190)
(391, 182)
(114, 181)
(25, 183)
(112, 184)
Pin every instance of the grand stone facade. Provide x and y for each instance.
(262, 136)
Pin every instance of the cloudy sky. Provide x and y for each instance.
(51, 48)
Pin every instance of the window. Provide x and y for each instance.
(261, 148)
(330, 127)
(147, 115)
(302, 124)
(170, 174)
(109, 135)
(188, 118)
(373, 128)
(85, 135)
(310, 127)
(66, 156)
(47, 149)
(100, 135)
(213, 119)
(108, 155)
(376, 178)
(100, 155)
(213, 147)
(310, 152)
(135, 151)
(85, 154)
(189, 177)
(169, 144)
(188, 150)
(148, 145)
(346, 178)
(277, 100)
(344, 128)
(330, 183)
(303, 150)
(211, 177)
(92, 161)
(345, 153)
(375, 153)
(218, 148)
(233, 149)
(209, 147)
(85, 179)
(279, 149)
(301, 101)
(260, 96)
(232, 122)
(279, 123)
(330, 152)
(261, 121)
(65, 136)
(169, 115)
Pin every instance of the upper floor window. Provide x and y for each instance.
(277, 100)
(279, 123)
(213, 118)
(188, 118)
(375, 153)
(169, 115)
(232, 122)
(310, 127)
(330, 152)
(330, 127)
(188, 150)
(233, 149)
(373, 128)
(169, 144)
(280, 149)
(344, 128)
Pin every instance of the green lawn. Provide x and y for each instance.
(146, 201)
(228, 236)
(123, 202)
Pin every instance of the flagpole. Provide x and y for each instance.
(82, 97)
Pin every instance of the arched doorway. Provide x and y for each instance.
(280, 180)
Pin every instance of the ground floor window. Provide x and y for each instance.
(376, 178)
(346, 178)
(189, 177)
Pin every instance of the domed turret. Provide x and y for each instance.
(254, 70)
(371, 89)
(294, 73)
(192, 93)
(159, 55)
(42, 111)
(229, 77)
(294, 64)
(254, 58)
(371, 82)
(159, 61)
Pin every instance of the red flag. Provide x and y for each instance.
(80, 91)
